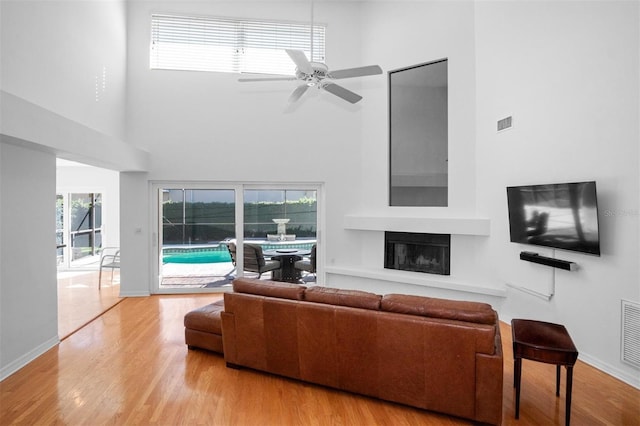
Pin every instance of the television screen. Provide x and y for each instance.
(563, 216)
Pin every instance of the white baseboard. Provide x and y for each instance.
(25, 359)
(134, 294)
(630, 379)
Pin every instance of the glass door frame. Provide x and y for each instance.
(239, 188)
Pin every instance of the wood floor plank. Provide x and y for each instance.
(131, 366)
(80, 301)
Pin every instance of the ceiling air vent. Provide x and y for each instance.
(505, 123)
(631, 333)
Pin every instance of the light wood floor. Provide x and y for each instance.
(131, 366)
(80, 301)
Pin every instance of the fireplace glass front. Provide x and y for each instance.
(418, 252)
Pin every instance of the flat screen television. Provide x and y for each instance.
(560, 215)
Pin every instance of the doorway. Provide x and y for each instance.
(87, 220)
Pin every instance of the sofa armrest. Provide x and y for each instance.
(489, 384)
(229, 337)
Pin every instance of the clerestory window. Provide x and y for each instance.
(231, 45)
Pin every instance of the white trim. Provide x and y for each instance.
(66, 138)
(416, 279)
(134, 293)
(239, 232)
(440, 225)
(25, 359)
(630, 379)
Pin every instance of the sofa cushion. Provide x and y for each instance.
(206, 318)
(268, 288)
(475, 312)
(335, 296)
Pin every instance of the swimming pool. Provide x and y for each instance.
(196, 255)
(219, 253)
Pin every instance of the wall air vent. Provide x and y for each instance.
(505, 123)
(630, 351)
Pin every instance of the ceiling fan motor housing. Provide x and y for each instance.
(320, 72)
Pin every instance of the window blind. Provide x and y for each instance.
(230, 45)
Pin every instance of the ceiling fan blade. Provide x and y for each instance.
(298, 92)
(244, 80)
(301, 61)
(341, 92)
(356, 72)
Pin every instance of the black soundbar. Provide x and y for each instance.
(549, 261)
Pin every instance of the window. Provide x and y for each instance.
(231, 45)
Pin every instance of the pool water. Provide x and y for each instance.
(219, 253)
(209, 256)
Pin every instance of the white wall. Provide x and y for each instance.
(573, 93)
(397, 35)
(135, 235)
(68, 57)
(62, 79)
(568, 73)
(28, 289)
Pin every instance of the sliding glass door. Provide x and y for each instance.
(196, 226)
(195, 217)
(201, 228)
(78, 228)
(293, 211)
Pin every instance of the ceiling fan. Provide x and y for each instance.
(317, 74)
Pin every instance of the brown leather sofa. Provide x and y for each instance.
(436, 354)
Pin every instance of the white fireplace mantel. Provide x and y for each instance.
(436, 225)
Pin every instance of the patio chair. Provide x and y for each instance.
(308, 265)
(231, 246)
(109, 259)
(254, 260)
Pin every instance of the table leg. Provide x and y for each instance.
(558, 380)
(568, 396)
(516, 377)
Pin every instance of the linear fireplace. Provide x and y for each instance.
(417, 252)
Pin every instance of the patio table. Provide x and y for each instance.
(287, 258)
